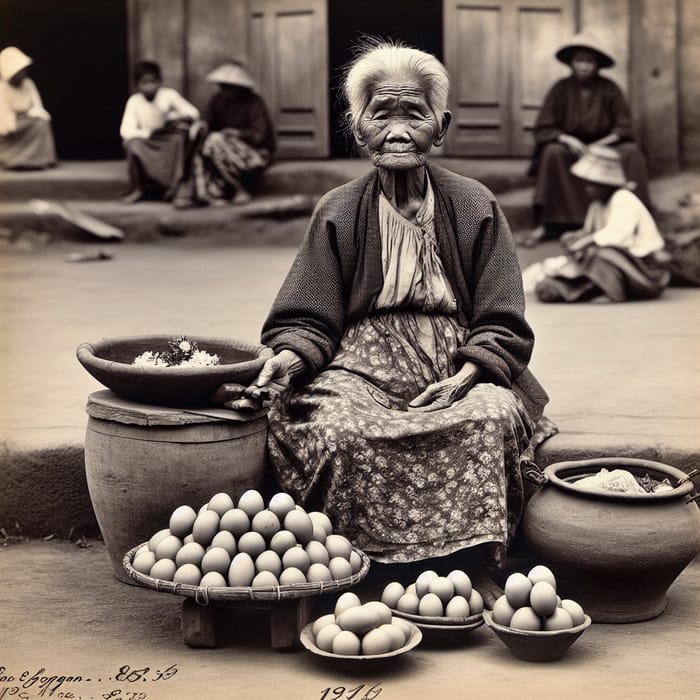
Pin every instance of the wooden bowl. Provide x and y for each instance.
(536, 646)
(307, 640)
(110, 362)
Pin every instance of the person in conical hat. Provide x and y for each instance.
(26, 139)
(241, 142)
(579, 110)
(619, 253)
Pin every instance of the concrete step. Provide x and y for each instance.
(149, 221)
(104, 180)
(265, 220)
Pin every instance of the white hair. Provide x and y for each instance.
(384, 60)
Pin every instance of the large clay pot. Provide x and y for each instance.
(143, 461)
(616, 554)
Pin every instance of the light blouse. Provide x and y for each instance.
(142, 117)
(625, 222)
(414, 276)
(14, 101)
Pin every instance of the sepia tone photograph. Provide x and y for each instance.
(349, 349)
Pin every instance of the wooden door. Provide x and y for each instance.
(500, 56)
(289, 58)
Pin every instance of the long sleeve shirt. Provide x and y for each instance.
(625, 222)
(142, 117)
(24, 99)
(587, 112)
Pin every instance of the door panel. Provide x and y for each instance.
(289, 58)
(540, 28)
(477, 62)
(500, 56)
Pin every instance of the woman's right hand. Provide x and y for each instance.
(576, 146)
(272, 380)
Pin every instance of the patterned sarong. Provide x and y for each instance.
(403, 485)
(223, 163)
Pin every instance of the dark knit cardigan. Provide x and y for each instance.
(337, 276)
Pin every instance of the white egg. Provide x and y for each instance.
(376, 641)
(578, 617)
(457, 607)
(461, 582)
(558, 620)
(543, 598)
(502, 611)
(391, 593)
(423, 581)
(321, 622)
(182, 520)
(345, 601)
(430, 605)
(280, 504)
(517, 589)
(251, 502)
(220, 503)
(236, 521)
(526, 619)
(542, 573)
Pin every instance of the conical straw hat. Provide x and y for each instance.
(602, 165)
(232, 73)
(585, 39)
(12, 61)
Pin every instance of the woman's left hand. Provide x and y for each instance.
(444, 393)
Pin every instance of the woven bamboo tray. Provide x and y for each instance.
(203, 595)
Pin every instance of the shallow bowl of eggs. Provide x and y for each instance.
(360, 632)
(433, 602)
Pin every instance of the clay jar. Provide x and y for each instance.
(616, 554)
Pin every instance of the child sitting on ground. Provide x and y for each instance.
(159, 128)
(618, 254)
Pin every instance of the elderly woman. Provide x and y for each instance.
(400, 330)
(26, 140)
(241, 141)
(583, 109)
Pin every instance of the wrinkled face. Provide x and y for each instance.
(584, 64)
(148, 85)
(399, 126)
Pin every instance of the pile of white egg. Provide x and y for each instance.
(354, 628)
(432, 595)
(531, 603)
(247, 544)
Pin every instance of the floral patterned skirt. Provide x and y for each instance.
(402, 485)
